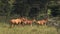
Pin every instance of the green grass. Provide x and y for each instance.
(4, 29)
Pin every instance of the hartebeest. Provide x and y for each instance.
(43, 21)
(16, 21)
(28, 21)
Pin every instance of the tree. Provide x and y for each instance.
(9, 7)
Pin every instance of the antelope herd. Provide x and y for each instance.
(23, 20)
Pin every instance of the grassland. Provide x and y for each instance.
(4, 29)
(18, 29)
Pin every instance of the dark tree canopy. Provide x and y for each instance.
(31, 8)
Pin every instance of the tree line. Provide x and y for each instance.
(29, 8)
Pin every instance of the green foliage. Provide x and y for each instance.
(24, 7)
(10, 7)
(1, 7)
(49, 12)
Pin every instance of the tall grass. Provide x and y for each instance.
(4, 29)
(18, 29)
